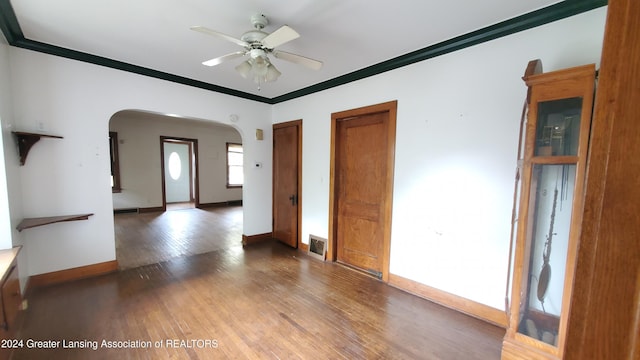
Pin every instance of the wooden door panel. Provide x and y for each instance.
(361, 246)
(361, 182)
(285, 184)
(360, 210)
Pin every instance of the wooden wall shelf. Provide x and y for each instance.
(26, 140)
(35, 222)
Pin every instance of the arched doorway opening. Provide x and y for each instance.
(172, 163)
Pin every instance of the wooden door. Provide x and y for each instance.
(362, 183)
(286, 181)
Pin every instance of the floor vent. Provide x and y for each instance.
(317, 247)
(125, 211)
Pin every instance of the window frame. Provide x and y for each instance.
(115, 162)
(234, 186)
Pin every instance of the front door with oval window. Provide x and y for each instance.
(177, 172)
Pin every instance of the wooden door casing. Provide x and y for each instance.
(287, 145)
(194, 172)
(179, 189)
(605, 311)
(362, 163)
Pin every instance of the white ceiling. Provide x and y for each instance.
(347, 35)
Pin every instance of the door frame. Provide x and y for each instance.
(298, 125)
(194, 173)
(391, 108)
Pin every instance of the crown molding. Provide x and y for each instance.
(13, 33)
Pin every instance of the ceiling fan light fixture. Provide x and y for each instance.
(257, 45)
(272, 73)
(260, 69)
(244, 69)
(263, 74)
(259, 65)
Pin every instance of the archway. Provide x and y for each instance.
(141, 200)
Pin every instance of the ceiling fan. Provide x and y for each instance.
(257, 45)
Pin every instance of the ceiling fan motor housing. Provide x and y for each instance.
(254, 37)
(259, 21)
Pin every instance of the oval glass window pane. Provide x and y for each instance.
(175, 166)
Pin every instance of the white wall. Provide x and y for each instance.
(456, 144)
(6, 113)
(139, 134)
(71, 175)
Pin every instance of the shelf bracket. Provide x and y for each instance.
(26, 140)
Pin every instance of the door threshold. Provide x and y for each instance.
(371, 273)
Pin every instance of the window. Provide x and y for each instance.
(115, 162)
(175, 166)
(235, 176)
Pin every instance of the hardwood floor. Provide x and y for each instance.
(181, 205)
(263, 301)
(149, 238)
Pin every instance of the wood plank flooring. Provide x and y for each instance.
(149, 238)
(263, 301)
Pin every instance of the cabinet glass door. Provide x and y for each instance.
(558, 127)
(550, 203)
(553, 180)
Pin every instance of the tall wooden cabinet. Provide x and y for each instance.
(550, 211)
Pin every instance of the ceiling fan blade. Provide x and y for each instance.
(208, 31)
(298, 59)
(282, 35)
(224, 58)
